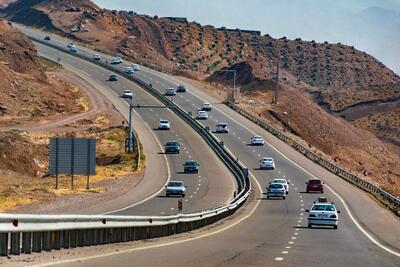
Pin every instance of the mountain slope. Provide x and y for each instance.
(324, 82)
(26, 93)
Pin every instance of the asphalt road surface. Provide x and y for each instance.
(276, 233)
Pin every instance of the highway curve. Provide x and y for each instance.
(214, 185)
(276, 233)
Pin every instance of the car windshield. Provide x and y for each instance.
(127, 91)
(279, 181)
(314, 181)
(267, 159)
(163, 121)
(257, 137)
(172, 144)
(175, 184)
(276, 186)
(323, 208)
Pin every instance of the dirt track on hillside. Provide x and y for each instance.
(99, 106)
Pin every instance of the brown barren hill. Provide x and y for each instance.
(26, 93)
(337, 85)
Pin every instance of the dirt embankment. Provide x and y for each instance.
(24, 164)
(26, 92)
(335, 138)
(341, 76)
(38, 100)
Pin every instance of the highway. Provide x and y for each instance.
(275, 234)
(212, 186)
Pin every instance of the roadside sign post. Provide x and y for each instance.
(180, 205)
(72, 164)
(72, 156)
(57, 163)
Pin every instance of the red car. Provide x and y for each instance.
(315, 185)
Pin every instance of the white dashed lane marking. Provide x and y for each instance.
(284, 252)
(278, 259)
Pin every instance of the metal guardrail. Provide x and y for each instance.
(35, 233)
(386, 198)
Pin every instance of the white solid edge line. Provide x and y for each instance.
(155, 137)
(372, 239)
(369, 236)
(165, 158)
(159, 245)
(159, 191)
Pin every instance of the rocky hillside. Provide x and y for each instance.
(343, 80)
(26, 93)
(316, 78)
(339, 76)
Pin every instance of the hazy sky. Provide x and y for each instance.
(370, 25)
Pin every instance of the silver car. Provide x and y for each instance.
(276, 190)
(176, 188)
(281, 181)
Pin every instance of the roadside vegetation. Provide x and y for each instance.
(23, 169)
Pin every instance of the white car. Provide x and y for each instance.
(129, 70)
(206, 107)
(276, 190)
(116, 60)
(267, 164)
(135, 67)
(222, 128)
(127, 94)
(201, 115)
(170, 91)
(257, 140)
(164, 125)
(175, 188)
(71, 45)
(323, 212)
(96, 57)
(73, 49)
(281, 181)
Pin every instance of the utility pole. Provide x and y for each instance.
(130, 134)
(234, 83)
(277, 82)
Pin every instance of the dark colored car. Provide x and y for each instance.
(113, 78)
(172, 147)
(191, 166)
(47, 38)
(181, 88)
(315, 185)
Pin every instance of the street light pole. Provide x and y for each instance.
(130, 141)
(277, 83)
(234, 85)
(234, 81)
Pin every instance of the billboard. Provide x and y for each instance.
(72, 156)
